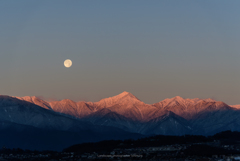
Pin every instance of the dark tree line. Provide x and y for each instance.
(225, 137)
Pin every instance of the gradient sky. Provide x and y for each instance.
(152, 49)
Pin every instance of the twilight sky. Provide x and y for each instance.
(152, 49)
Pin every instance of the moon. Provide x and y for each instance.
(67, 63)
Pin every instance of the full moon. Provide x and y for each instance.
(67, 63)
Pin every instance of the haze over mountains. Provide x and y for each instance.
(117, 117)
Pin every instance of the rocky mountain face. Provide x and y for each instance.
(120, 114)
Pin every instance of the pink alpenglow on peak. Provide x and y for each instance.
(235, 106)
(129, 106)
(35, 100)
(118, 99)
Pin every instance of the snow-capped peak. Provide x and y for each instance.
(124, 97)
(178, 98)
(235, 106)
(124, 94)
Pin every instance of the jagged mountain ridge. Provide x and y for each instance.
(190, 108)
(27, 113)
(127, 112)
(129, 106)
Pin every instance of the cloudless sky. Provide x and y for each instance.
(152, 49)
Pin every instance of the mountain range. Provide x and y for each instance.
(118, 117)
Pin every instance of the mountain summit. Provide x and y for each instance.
(126, 94)
(122, 98)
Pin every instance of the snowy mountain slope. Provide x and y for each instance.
(211, 122)
(190, 108)
(36, 101)
(167, 124)
(25, 113)
(127, 105)
(69, 107)
(109, 118)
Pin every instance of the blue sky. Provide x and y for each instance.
(153, 49)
